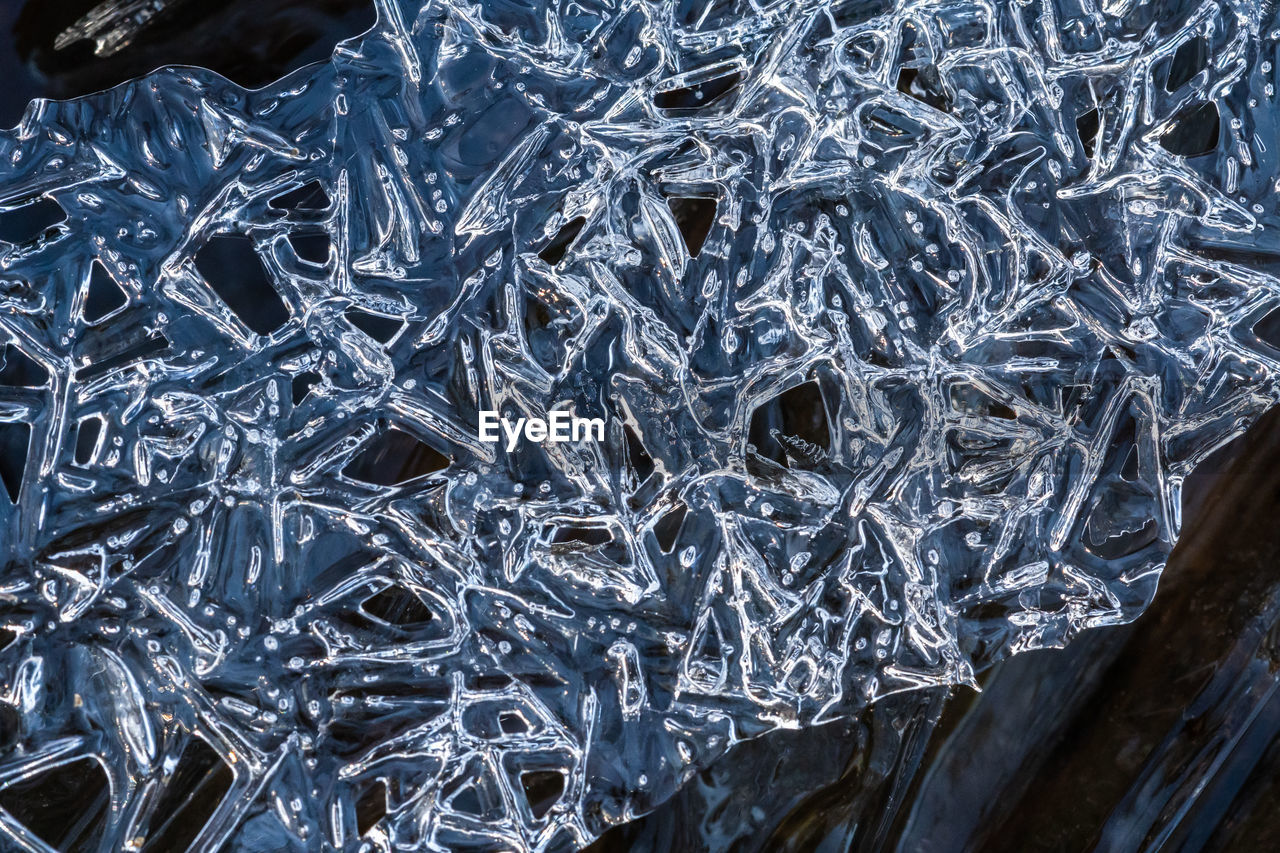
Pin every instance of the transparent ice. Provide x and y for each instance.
(908, 322)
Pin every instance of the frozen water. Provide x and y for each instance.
(907, 322)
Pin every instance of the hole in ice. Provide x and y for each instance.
(302, 384)
(191, 793)
(472, 791)
(794, 424)
(554, 251)
(537, 316)
(598, 540)
(14, 441)
(394, 457)
(542, 789)
(492, 721)
(582, 534)
(694, 217)
(148, 347)
(25, 223)
(1267, 329)
(641, 461)
(371, 806)
(397, 606)
(1110, 541)
(103, 297)
(512, 723)
(1087, 124)
(380, 327)
(668, 528)
(1189, 60)
(87, 433)
(310, 246)
(468, 801)
(1194, 131)
(1131, 471)
(19, 370)
(997, 409)
(231, 266)
(924, 84)
(10, 720)
(309, 196)
(689, 96)
(66, 806)
(906, 76)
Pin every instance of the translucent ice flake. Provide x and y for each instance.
(906, 325)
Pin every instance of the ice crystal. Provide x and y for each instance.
(907, 323)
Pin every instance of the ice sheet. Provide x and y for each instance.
(907, 323)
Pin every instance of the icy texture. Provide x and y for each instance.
(908, 324)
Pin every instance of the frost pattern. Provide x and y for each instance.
(908, 323)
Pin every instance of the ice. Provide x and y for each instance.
(907, 323)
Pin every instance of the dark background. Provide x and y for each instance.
(251, 42)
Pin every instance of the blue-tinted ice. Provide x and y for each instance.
(907, 322)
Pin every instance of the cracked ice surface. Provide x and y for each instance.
(907, 324)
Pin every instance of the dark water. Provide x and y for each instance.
(251, 42)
